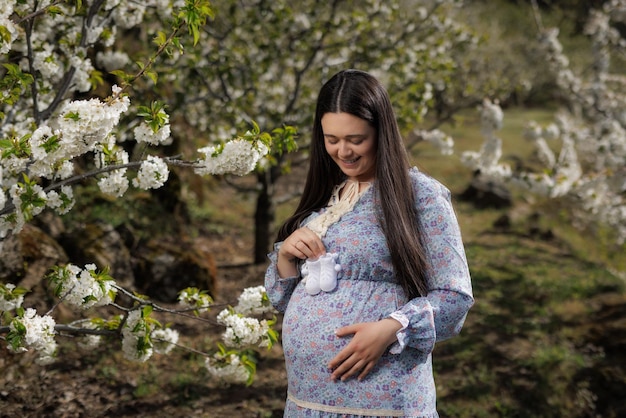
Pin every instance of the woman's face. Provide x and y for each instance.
(351, 143)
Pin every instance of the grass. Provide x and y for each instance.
(526, 350)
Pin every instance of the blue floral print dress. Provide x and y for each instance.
(401, 384)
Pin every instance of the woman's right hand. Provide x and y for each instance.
(301, 244)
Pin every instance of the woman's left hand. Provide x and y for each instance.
(369, 342)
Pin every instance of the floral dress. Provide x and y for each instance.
(401, 384)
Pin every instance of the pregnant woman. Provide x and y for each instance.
(370, 271)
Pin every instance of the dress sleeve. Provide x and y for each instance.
(441, 313)
(278, 289)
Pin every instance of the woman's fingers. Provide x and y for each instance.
(306, 244)
(301, 249)
(351, 367)
(369, 342)
(366, 370)
(301, 244)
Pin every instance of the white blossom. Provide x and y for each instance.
(39, 334)
(193, 298)
(253, 301)
(65, 170)
(538, 183)
(47, 62)
(114, 183)
(129, 14)
(62, 202)
(164, 340)
(18, 192)
(238, 157)
(135, 341)
(89, 341)
(83, 288)
(8, 300)
(491, 117)
(6, 10)
(112, 60)
(152, 174)
(227, 367)
(243, 331)
(439, 139)
(38, 140)
(535, 133)
(144, 133)
(85, 123)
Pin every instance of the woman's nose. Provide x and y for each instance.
(344, 148)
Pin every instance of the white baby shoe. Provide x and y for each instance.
(312, 269)
(328, 272)
(321, 274)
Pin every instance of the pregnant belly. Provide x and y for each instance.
(309, 324)
(308, 334)
(309, 343)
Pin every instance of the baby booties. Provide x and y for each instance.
(321, 274)
(328, 272)
(312, 270)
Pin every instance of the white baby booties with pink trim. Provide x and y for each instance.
(321, 274)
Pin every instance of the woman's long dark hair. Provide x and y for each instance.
(360, 94)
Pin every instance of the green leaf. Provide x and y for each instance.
(123, 75)
(160, 39)
(54, 10)
(75, 116)
(152, 75)
(95, 79)
(195, 14)
(5, 35)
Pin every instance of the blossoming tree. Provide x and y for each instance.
(51, 52)
(583, 152)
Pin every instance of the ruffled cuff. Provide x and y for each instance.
(279, 289)
(418, 327)
(401, 334)
(273, 256)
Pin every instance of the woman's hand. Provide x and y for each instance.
(301, 244)
(369, 342)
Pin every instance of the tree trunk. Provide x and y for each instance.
(264, 216)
